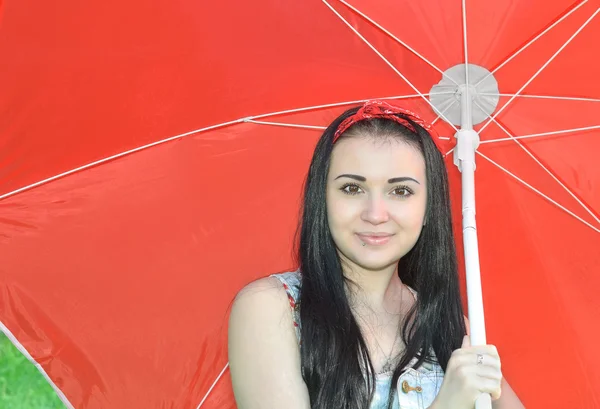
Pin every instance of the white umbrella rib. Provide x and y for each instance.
(302, 126)
(372, 47)
(540, 164)
(113, 157)
(288, 125)
(450, 105)
(465, 43)
(196, 131)
(212, 386)
(338, 104)
(551, 97)
(538, 192)
(399, 41)
(520, 50)
(538, 135)
(541, 69)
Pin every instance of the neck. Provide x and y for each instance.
(378, 289)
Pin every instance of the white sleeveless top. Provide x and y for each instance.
(417, 388)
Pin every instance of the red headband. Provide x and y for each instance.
(381, 109)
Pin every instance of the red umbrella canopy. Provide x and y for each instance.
(145, 175)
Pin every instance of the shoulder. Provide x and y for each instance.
(269, 284)
(266, 303)
(260, 324)
(258, 298)
(264, 356)
(274, 287)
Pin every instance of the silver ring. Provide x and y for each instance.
(479, 359)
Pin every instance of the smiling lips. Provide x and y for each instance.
(375, 239)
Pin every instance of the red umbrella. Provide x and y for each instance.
(152, 156)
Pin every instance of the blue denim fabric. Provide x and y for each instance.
(428, 377)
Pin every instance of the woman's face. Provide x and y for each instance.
(376, 199)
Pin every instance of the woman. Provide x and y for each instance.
(376, 319)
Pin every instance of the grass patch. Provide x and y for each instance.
(22, 386)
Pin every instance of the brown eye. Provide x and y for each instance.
(351, 189)
(403, 191)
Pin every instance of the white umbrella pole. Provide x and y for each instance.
(464, 158)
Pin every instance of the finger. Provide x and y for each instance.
(480, 349)
(470, 360)
(489, 373)
(490, 350)
(466, 342)
(492, 387)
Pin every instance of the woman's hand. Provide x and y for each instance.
(465, 379)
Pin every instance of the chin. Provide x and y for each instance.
(376, 262)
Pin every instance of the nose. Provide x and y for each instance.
(375, 211)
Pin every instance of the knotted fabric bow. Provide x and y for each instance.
(381, 109)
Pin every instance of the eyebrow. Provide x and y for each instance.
(364, 179)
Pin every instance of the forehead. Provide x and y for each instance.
(376, 158)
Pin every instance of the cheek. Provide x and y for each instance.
(341, 212)
(410, 216)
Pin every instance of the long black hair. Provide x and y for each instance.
(333, 351)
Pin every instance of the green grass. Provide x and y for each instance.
(22, 386)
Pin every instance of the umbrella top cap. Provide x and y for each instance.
(482, 89)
